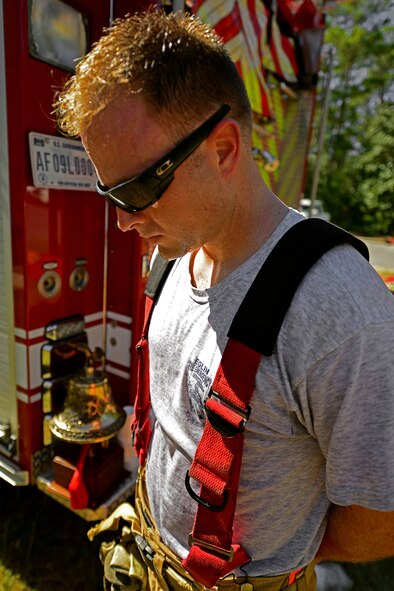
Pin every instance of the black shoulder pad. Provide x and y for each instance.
(258, 321)
(157, 276)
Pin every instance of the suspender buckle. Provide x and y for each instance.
(228, 554)
(221, 424)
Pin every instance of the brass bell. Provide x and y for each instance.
(90, 414)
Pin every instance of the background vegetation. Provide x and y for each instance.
(357, 165)
(43, 545)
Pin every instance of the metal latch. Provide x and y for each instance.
(7, 438)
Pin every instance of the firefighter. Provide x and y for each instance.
(165, 118)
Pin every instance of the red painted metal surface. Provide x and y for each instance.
(61, 228)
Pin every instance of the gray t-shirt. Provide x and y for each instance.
(321, 429)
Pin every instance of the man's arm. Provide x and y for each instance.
(357, 534)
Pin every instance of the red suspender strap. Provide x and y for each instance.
(217, 465)
(141, 424)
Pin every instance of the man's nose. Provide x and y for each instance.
(128, 221)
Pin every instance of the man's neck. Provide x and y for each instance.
(212, 263)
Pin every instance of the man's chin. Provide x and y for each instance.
(171, 253)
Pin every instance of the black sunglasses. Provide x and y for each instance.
(144, 189)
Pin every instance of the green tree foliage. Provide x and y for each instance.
(356, 181)
(371, 199)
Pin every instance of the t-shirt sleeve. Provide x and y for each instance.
(350, 399)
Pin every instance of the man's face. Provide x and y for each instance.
(123, 140)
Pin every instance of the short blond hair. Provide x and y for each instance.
(176, 62)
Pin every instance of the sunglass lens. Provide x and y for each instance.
(132, 197)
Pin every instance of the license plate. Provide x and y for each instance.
(60, 163)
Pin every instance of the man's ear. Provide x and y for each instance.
(225, 140)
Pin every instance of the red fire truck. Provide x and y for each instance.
(70, 282)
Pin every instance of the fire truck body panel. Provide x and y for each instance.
(53, 243)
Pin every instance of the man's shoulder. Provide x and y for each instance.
(341, 296)
(344, 280)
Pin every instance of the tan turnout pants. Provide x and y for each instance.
(137, 560)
